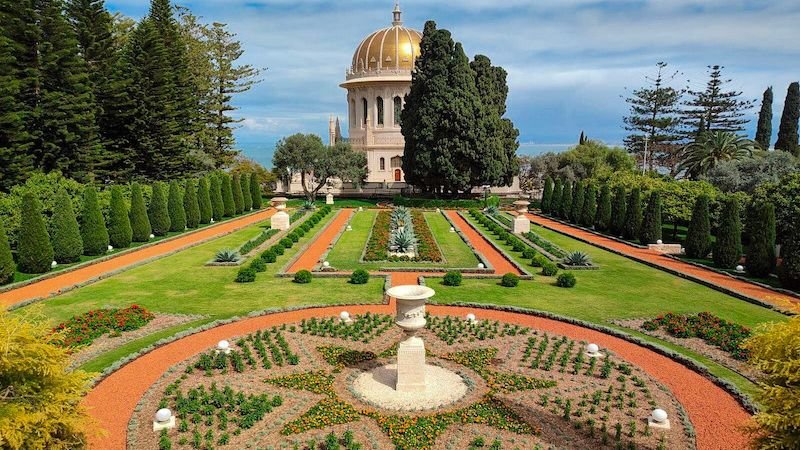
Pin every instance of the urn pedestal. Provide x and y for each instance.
(329, 199)
(521, 223)
(280, 220)
(411, 351)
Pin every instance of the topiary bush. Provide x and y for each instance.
(177, 213)
(293, 236)
(698, 236)
(269, 256)
(538, 260)
(228, 204)
(360, 276)
(120, 233)
(246, 275)
(302, 277)
(549, 269)
(204, 201)
(255, 190)
(34, 252)
(140, 223)
(93, 225)
(65, 233)
(7, 266)
(238, 197)
(728, 245)
(286, 242)
(528, 253)
(247, 195)
(278, 249)
(452, 279)
(566, 280)
(191, 205)
(259, 265)
(509, 280)
(158, 212)
(633, 215)
(761, 237)
(650, 231)
(217, 203)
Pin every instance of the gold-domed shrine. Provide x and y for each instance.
(394, 48)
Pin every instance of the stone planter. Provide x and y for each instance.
(411, 352)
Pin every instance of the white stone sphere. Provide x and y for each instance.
(212, 220)
(53, 264)
(326, 264)
(438, 210)
(592, 348)
(110, 247)
(223, 345)
(344, 315)
(349, 228)
(659, 242)
(481, 266)
(471, 317)
(659, 415)
(152, 236)
(452, 229)
(740, 268)
(360, 208)
(163, 415)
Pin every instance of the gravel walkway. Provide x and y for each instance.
(496, 259)
(314, 252)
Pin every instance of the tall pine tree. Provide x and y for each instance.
(15, 159)
(715, 108)
(7, 266)
(787, 133)
(764, 128)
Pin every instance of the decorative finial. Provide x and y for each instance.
(397, 13)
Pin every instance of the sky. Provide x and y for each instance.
(570, 63)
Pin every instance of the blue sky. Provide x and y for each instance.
(569, 61)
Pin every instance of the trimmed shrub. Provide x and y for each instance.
(619, 211)
(238, 197)
(120, 233)
(578, 197)
(34, 252)
(566, 201)
(65, 233)
(547, 195)
(728, 245)
(247, 196)
(140, 222)
(177, 212)
(589, 210)
(302, 277)
(158, 213)
(7, 266)
(518, 246)
(761, 245)
(228, 204)
(278, 249)
(246, 275)
(293, 236)
(549, 268)
(452, 279)
(698, 236)
(204, 201)
(93, 225)
(269, 256)
(566, 280)
(259, 265)
(602, 219)
(286, 242)
(633, 216)
(191, 205)
(555, 201)
(538, 260)
(650, 231)
(255, 190)
(509, 280)
(360, 276)
(528, 253)
(217, 203)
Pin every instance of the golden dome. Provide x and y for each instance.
(393, 48)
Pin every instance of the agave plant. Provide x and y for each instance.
(227, 256)
(492, 210)
(577, 259)
(309, 206)
(401, 218)
(402, 240)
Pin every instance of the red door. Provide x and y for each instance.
(397, 175)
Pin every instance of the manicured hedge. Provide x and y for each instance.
(509, 280)
(217, 203)
(728, 245)
(228, 204)
(698, 236)
(303, 277)
(566, 280)
(246, 275)
(255, 191)
(360, 276)
(452, 279)
(436, 203)
(247, 195)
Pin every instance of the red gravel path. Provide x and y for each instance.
(653, 257)
(314, 252)
(50, 286)
(496, 259)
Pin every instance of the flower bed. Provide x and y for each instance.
(728, 336)
(377, 248)
(81, 330)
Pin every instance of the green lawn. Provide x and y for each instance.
(347, 251)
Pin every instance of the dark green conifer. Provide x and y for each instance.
(93, 225)
(16, 162)
(633, 216)
(227, 195)
(65, 233)
(650, 231)
(177, 213)
(34, 252)
(578, 196)
(555, 200)
(120, 232)
(158, 212)
(728, 244)
(761, 245)
(547, 195)
(238, 197)
(140, 222)
(7, 266)
(255, 190)
(698, 236)
(764, 128)
(789, 271)
(190, 205)
(788, 131)
(246, 194)
(204, 201)
(217, 202)
(603, 217)
(589, 210)
(566, 201)
(619, 211)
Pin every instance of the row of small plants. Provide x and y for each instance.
(728, 336)
(401, 230)
(248, 273)
(480, 360)
(427, 248)
(341, 357)
(566, 355)
(250, 245)
(269, 348)
(363, 328)
(83, 329)
(332, 442)
(208, 418)
(454, 330)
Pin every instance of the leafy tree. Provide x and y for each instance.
(34, 252)
(654, 116)
(41, 405)
(650, 231)
(761, 239)
(158, 211)
(177, 213)
(247, 194)
(747, 174)
(764, 128)
(787, 133)
(589, 160)
(566, 201)
(633, 215)
(698, 157)
(238, 196)
(589, 210)
(728, 245)
(7, 266)
(698, 236)
(227, 195)
(555, 201)
(547, 195)
(204, 201)
(120, 230)
(773, 352)
(603, 219)
(255, 190)
(578, 197)
(217, 203)
(140, 222)
(191, 206)
(93, 225)
(65, 233)
(715, 109)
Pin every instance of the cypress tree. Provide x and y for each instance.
(547, 195)
(566, 201)
(34, 252)
(255, 190)
(7, 266)
(728, 245)
(93, 225)
(589, 210)
(578, 196)
(603, 217)
(555, 201)
(190, 205)
(65, 233)
(764, 128)
(787, 133)
(650, 232)
(698, 236)
(177, 213)
(140, 222)
(789, 272)
(633, 216)
(761, 245)
(120, 231)
(246, 194)
(158, 211)
(227, 196)
(238, 197)
(619, 211)
(217, 202)
(204, 201)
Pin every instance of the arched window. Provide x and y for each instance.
(364, 111)
(398, 109)
(379, 100)
(397, 162)
(352, 113)
(383, 164)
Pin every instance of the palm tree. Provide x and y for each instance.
(712, 147)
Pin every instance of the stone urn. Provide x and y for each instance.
(280, 220)
(521, 223)
(522, 206)
(411, 351)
